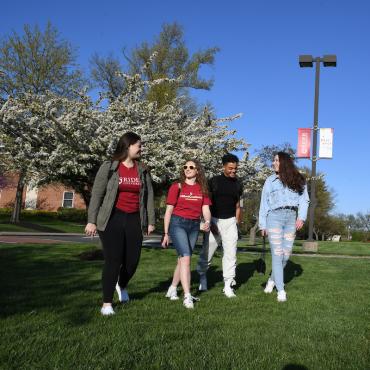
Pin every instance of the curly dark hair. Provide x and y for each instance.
(289, 174)
(230, 158)
(201, 177)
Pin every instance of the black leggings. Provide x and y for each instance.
(122, 240)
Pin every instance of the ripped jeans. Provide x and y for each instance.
(281, 234)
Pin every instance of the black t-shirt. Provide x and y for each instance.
(225, 192)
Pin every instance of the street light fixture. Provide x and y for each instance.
(308, 61)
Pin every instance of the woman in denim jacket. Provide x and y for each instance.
(283, 210)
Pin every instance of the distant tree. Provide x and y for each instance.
(325, 198)
(363, 221)
(105, 74)
(267, 152)
(34, 62)
(172, 60)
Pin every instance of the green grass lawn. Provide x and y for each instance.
(42, 225)
(50, 319)
(325, 247)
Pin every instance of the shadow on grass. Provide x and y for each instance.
(294, 367)
(292, 270)
(34, 227)
(244, 271)
(46, 279)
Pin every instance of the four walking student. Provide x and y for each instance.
(122, 208)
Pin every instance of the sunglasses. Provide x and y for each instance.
(190, 167)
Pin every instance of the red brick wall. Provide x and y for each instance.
(49, 197)
(8, 190)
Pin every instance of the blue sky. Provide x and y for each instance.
(256, 71)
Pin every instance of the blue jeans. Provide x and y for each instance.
(281, 234)
(184, 234)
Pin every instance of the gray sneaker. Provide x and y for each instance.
(203, 282)
(123, 296)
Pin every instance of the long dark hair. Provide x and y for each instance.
(201, 177)
(127, 139)
(289, 174)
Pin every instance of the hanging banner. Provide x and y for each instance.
(304, 143)
(326, 143)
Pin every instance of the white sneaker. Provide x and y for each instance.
(123, 296)
(281, 296)
(188, 301)
(229, 292)
(203, 282)
(269, 286)
(172, 293)
(107, 311)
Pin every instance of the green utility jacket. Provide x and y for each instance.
(104, 194)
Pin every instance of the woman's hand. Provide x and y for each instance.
(299, 224)
(206, 226)
(90, 229)
(165, 241)
(264, 232)
(151, 228)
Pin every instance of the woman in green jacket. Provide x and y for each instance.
(121, 209)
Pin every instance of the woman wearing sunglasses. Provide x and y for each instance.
(187, 201)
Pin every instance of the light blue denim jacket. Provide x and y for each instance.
(275, 195)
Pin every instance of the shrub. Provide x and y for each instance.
(360, 236)
(72, 214)
(64, 214)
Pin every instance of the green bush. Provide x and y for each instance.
(72, 214)
(64, 214)
(5, 211)
(360, 236)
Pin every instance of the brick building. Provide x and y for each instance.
(49, 197)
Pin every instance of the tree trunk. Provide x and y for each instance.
(322, 236)
(316, 234)
(14, 218)
(252, 234)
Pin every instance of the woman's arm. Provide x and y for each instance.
(303, 203)
(97, 194)
(150, 204)
(264, 208)
(207, 217)
(167, 218)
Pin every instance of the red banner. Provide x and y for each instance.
(304, 143)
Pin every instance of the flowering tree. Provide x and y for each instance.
(65, 140)
(32, 62)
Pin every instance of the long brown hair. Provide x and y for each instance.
(289, 174)
(201, 177)
(127, 139)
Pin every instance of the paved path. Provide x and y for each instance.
(152, 241)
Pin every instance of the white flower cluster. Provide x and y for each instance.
(60, 139)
